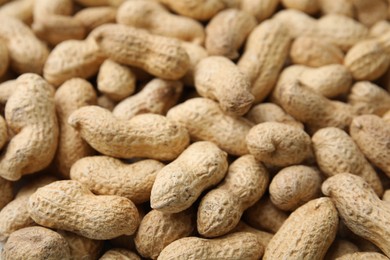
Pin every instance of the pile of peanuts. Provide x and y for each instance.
(194, 129)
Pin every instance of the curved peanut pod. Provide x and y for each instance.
(372, 135)
(297, 23)
(227, 31)
(73, 94)
(312, 108)
(147, 135)
(155, 18)
(360, 208)
(14, 215)
(265, 52)
(92, 17)
(104, 175)
(119, 253)
(160, 56)
(199, 9)
(70, 206)
(157, 97)
(21, 9)
(26, 52)
(82, 247)
(3, 132)
(278, 144)
(115, 80)
(205, 120)
(342, 7)
(307, 233)
(4, 58)
(6, 192)
(221, 209)
(336, 153)
(30, 114)
(178, 185)
(157, 230)
(240, 245)
(219, 79)
(72, 59)
(260, 9)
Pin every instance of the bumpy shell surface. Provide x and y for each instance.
(81, 247)
(120, 254)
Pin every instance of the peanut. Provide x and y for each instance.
(226, 131)
(294, 186)
(196, 53)
(379, 28)
(104, 102)
(262, 236)
(278, 144)
(337, 153)
(73, 94)
(6, 194)
(6, 89)
(231, 90)
(160, 56)
(36, 243)
(26, 52)
(360, 208)
(30, 114)
(158, 229)
(115, 81)
(93, 17)
(119, 253)
(342, 7)
(152, 16)
(372, 136)
(104, 175)
(340, 248)
(297, 23)
(157, 97)
(260, 9)
(114, 3)
(227, 31)
(307, 233)
(370, 13)
(362, 256)
(178, 185)
(306, 6)
(19, 9)
(266, 49)
(270, 112)
(240, 245)
(147, 135)
(221, 209)
(82, 247)
(4, 58)
(386, 196)
(70, 206)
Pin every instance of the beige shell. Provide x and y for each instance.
(363, 256)
(369, 13)
(260, 9)
(119, 254)
(342, 7)
(81, 247)
(196, 53)
(92, 17)
(262, 236)
(90, 3)
(339, 248)
(306, 6)
(6, 193)
(21, 9)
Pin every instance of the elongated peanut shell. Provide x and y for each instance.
(178, 185)
(104, 175)
(70, 206)
(240, 245)
(147, 135)
(307, 233)
(360, 208)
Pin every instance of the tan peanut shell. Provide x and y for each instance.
(363, 256)
(260, 9)
(146, 135)
(73, 94)
(157, 97)
(312, 108)
(342, 7)
(278, 144)
(306, 6)
(314, 52)
(297, 23)
(30, 114)
(92, 3)
(6, 89)
(104, 175)
(336, 153)
(294, 186)
(120, 254)
(92, 17)
(178, 185)
(227, 31)
(270, 112)
(339, 248)
(104, 102)
(386, 195)
(36, 243)
(4, 58)
(307, 233)
(3, 132)
(21, 9)
(220, 79)
(158, 229)
(26, 52)
(72, 59)
(6, 192)
(205, 120)
(221, 209)
(14, 215)
(266, 49)
(360, 208)
(368, 98)
(370, 12)
(82, 247)
(262, 236)
(154, 17)
(160, 56)
(115, 80)
(367, 60)
(379, 28)
(330, 81)
(264, 215)
(372, 135)
(240, 245)
(199, 9)
(70, 206)
(196, 53)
